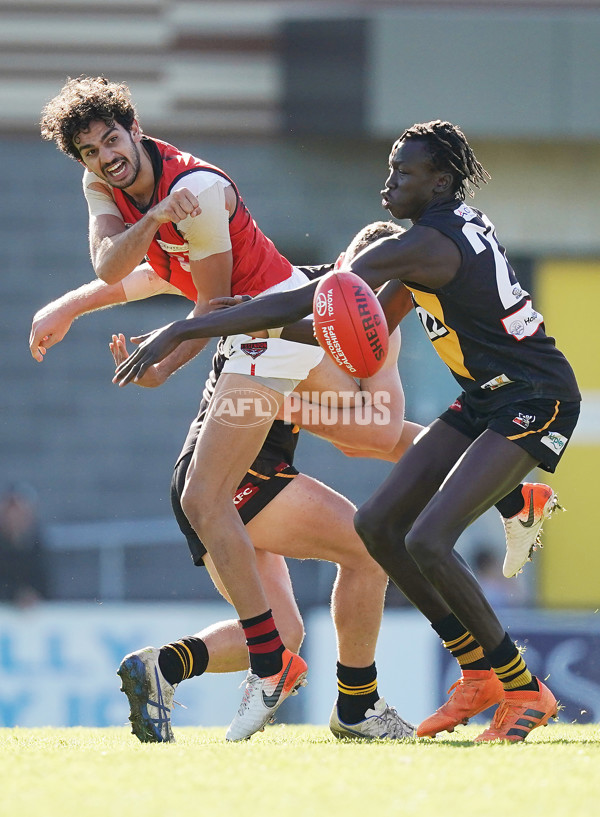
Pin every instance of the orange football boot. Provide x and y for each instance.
(519, 713)
(474, 691)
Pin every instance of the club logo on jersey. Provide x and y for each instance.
(254, 349)
(244, 494)
(556, 442)
(524, 420)
(523, 323)
(496, 382)
(434, 328)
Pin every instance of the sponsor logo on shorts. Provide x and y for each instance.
(244, 407)
(524, 420)
(456, 406)
(244, 494)
(556, 442)
(254, 349)
(496, 382)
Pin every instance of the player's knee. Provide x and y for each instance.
(292, 633)
(201, 514)
(423, 546)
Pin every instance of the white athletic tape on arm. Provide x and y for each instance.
(99, 197)
(208, 233)
(143, 282)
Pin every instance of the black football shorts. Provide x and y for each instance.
(267, 477)
(542, 427)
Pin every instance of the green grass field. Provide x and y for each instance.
(296, 770)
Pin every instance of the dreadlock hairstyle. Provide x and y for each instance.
(450, 151)
(80, 102)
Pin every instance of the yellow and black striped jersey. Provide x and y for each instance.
(483, 324)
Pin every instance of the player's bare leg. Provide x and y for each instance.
(286, 526)
(419, 514)
(224, 640)
(223, 454)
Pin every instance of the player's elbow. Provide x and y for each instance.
(384, 437)
(109, 276)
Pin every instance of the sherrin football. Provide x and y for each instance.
(350, 324)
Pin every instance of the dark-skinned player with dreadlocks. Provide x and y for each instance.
(518, 408)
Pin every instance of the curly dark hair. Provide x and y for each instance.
(80, 102)
(450, 151)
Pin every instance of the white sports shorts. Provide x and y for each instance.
(273, 359)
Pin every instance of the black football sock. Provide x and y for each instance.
(183, 659)
(512, 503)
(265, 646)
(508, 664)
(461, 644)
(357, 692)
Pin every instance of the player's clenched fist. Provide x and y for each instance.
(176, 206)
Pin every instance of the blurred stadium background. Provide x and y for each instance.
(299, 102)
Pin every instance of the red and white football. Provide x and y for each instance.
(350, 324)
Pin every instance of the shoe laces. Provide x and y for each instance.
(455, 685)
(459, 687)
(501, 714)
(250, 681)
(394, 725)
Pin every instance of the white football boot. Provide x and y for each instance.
(381, 722)
(150, 696)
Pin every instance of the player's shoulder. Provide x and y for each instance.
(199, 179)
(91, 182)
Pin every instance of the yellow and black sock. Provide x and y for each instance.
(265, 646)
(508, 664)
(357, 692)
(183, 659)
(459, 641)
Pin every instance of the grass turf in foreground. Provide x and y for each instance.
(301, 769)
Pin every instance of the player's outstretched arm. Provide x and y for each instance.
(396, 301)
(52, 322)
(302, 331)
(267, 312)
